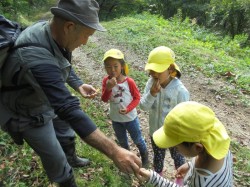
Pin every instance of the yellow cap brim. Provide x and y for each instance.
(111, 56)
(164, 141)
(159, 68)
(113, 53)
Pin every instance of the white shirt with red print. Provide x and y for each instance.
(123, 94)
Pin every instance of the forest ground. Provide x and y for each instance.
(235, 117)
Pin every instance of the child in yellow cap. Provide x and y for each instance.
(196, 132)
(162, 93)
(123, 96)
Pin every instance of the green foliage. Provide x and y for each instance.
(194, 46)
(226, 16)
(23, 11)
(233, 17)
(241, 164)
(110, 9)
(192, 8)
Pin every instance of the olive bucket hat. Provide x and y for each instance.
(83, 12)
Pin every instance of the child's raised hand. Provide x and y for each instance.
(156, 87)
(111, 83)
(182, 171)
(143, 175)
(123, 111)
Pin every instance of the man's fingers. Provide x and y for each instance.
(135, 167)
(138, 162)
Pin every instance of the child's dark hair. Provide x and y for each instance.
(123, 63)
(187, 144)
(178, 74)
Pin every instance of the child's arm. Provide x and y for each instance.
(105, 92)
(134, 93)
(183, 95)
(182, 170)
(147, 100)
(143, 175)
(151, 177)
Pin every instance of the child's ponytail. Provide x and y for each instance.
(126, 70)
(176, 74)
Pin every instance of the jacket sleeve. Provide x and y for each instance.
(183, 95)
(66, 106)
(134, 93)
(105, 93)
(73, 80)
(147, 100)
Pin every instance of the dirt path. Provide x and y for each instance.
(208, 91)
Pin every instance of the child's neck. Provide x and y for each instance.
(121, 78)
(206, 161)
(164, 84)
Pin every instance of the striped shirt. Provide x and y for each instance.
(222, 178)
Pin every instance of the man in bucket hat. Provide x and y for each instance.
(43, 109)
(196, 132)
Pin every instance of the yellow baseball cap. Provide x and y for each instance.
(114, 53)
(193, 122)
(160, 58)
(117, 54)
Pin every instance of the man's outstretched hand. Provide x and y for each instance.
(87, 91)
(127, 161)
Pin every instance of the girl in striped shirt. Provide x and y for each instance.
(196, 132)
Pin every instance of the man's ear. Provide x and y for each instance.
(68, 27)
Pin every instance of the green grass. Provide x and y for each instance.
(194, 46)
(241, 164)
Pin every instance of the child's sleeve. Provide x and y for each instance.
(160, 181)
(183, 95)
(147, 100)
(105, 93)
(134, 93)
